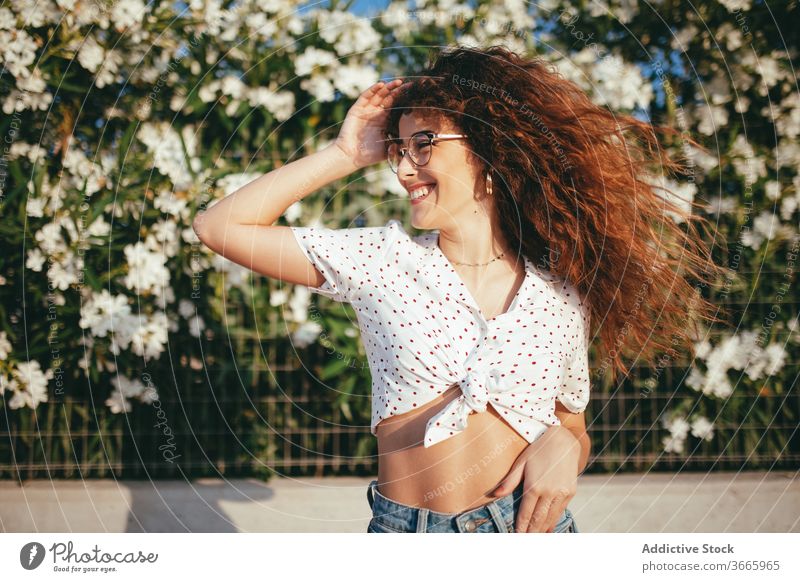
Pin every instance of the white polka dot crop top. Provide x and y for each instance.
(423, 331)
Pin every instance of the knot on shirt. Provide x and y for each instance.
(476, 386)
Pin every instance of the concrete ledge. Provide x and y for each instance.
(687, 502)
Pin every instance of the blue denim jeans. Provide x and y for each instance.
(389, 516)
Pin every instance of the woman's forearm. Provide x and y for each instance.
(265, 199)
(586, 445)
(571, 438)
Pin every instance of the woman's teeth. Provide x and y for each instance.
(421, 193)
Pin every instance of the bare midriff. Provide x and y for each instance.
(453, 475)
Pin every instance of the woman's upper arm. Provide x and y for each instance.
(269, 250)
(331, 262)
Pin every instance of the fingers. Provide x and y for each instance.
(539, 512)
(526, 509)
(539, 519)
(369, 95)
(383, 90)
(556, 509)
(396, 90)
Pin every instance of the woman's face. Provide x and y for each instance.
(452, 197)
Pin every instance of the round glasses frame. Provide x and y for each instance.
(433, 137)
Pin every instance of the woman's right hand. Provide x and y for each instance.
(363, 131)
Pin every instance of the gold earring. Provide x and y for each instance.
(489, 191)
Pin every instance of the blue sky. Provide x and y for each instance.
(366, 6)
(360, 7)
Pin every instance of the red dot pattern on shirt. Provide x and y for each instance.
(421, 332)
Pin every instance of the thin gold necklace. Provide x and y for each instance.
(468, 264)
(479, 264)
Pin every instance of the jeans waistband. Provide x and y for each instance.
(495, 510)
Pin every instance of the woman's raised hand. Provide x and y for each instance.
(362, 133)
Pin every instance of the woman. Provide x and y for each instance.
(540, 210)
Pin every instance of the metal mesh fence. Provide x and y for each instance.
(252, 404)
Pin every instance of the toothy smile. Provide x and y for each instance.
(421, 192)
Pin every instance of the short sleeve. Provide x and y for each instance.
(346, 257)
(574, 392)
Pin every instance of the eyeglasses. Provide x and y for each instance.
(419, 148)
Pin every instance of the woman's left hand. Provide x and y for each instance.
(549, 467)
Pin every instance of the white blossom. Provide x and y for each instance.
(673, 444)
(81, 169)
(164, 144)
(348, 33)
(103, 312)
(127, 13)
(765, 362)
(99, 227)
(167, 202)
(299, 303)
(680, 194)
(91, 55)
(765, 226)
(34, 207)
(702, 428)
(118, 403)
(234, 274)
(35, 260)
(787, 119)
(623, 10)
(312, 59)
(789, 205)
(66, 270)
(620, 85)
(163, 238)
(28, 384)
(698, 157)
(50, 239)
(230, 183)
(772, 189)
(30, 94)
(745, 161)
(319, 87)
(719, 205)
(281, 104)
(736, 5)
(738, 352)
(147, 270)
(702, 349)
(352, 80)
(683, 36)
(196, 325)
(150, 337)
(5, 346)
(678, 427)
(233, 87)
(129, 388)
(278, 297)
(186, 308)
(18, 50)
(306, 334)
(397, 17)
(34, 152)
(294, 212)
(712, 118)
(8, 20)
(208, 92)
(36, 13)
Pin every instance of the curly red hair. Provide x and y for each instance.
(575, 188)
